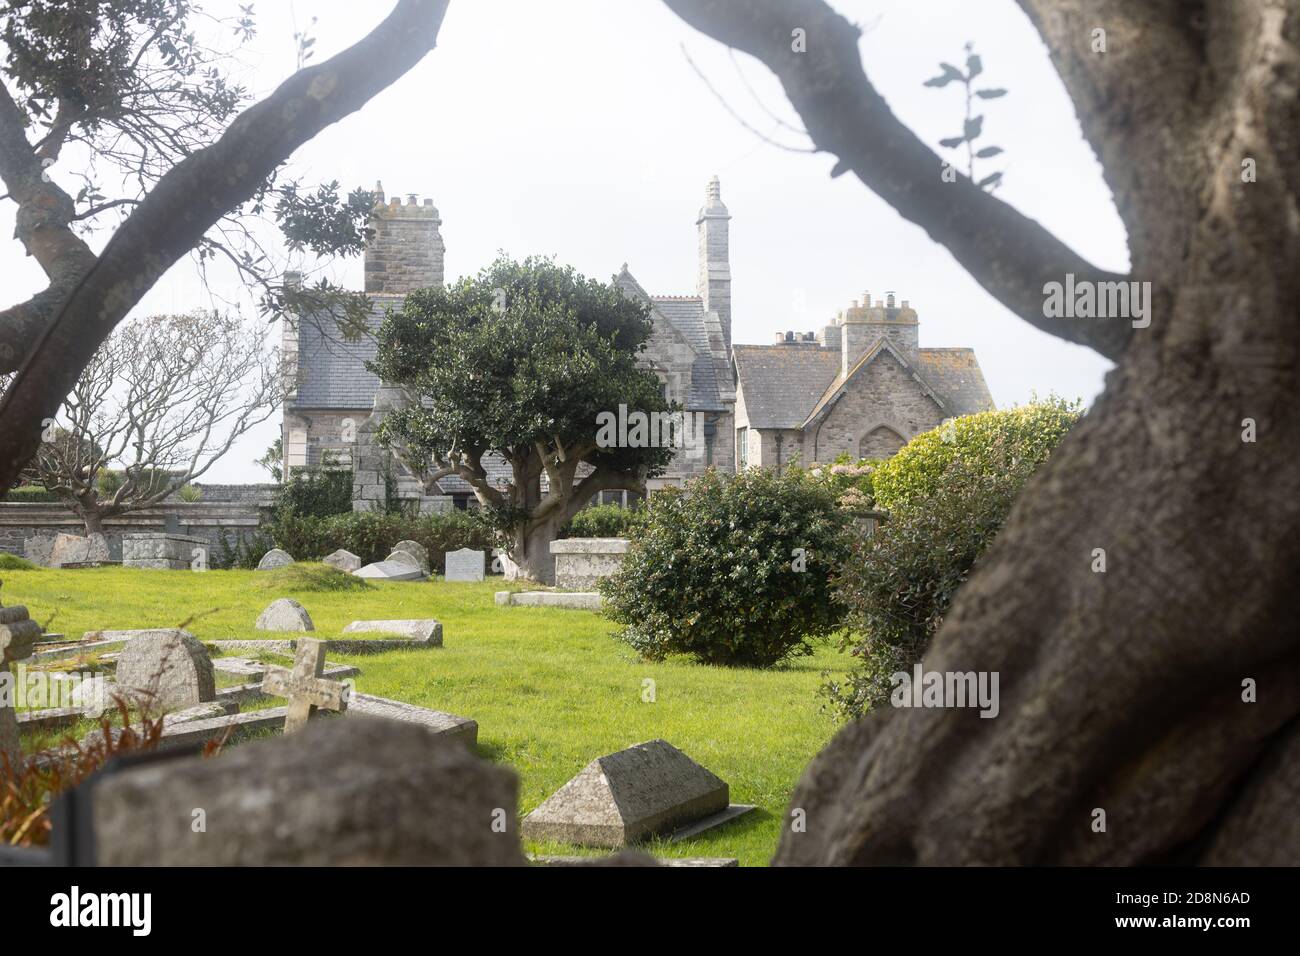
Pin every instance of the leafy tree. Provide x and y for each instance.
(972, 126)
(519, 361)
(170, 147)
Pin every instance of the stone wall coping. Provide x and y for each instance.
(590, 546)
(163, 536)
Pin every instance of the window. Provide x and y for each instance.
(742, 448)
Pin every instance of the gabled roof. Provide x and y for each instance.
(882, 347)
(685, 315)
(782, 382)
(957, 375)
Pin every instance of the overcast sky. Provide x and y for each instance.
(579, 128)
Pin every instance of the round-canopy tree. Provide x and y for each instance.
(520, 361)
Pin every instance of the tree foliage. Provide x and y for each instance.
(518, 362)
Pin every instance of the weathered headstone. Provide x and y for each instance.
(465, 564)
(314, 797)
(170, 667)
(390, 571)
(285, 614)
(420, 552)
(74, 549)
(427, 631)
(159, 551)
(306, 689)
(37, 549)
(407, 559)
(17, 632)
(645, 790)
(343, 560)
(275, 558)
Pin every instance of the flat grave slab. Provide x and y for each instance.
(439, 723)
(572, 600)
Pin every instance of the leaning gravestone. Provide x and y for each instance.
(169, 665)
(465, 564)
(343, 560)
(417, 550)
(645, 790)
(316, 793)
(275, 558)
(408, 559)
(391, 571)
(285, 614)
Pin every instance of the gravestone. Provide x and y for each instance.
(306, 689)
(408, 559)
(74, 549)
(391, 571)
(343, 560)
(426, 631)
(420, 552)
(275, 558)
(170, 667)
(37, 549)
(285, 614)
(645, 790)
(310, 799)
(17, 632)
(159, 551)
(465, 564)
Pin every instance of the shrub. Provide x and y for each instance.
(732, 570)
(30, 493)
(11, 562)
(370, 535)
(309, 577)
(948, 493)
(603, 521)
(317, 493)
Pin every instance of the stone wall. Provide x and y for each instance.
(883, 393)
(206, 519)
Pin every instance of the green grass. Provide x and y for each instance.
(551, 689)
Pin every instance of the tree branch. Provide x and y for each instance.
(1009, 254)
(193, 196)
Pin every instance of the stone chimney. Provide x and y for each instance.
(714, 279)
(406, 250)
(863, 324)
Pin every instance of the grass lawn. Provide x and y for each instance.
(551, 689)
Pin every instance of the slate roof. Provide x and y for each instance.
(956, 375)
(785, 385)
(869, 356)
(332, 372)
(782, 383)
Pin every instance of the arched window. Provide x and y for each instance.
(881, 442)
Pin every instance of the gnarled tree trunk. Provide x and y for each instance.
(1124, 690)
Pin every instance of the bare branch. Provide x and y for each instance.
(1009, 254)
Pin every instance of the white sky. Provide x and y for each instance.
(578, 128)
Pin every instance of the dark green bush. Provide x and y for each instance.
(370, 535)
(30, 493)
(11, 562)
(732, 570)
(317, 493)
(603, 521)
(947, 493)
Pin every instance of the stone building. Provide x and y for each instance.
(862, 385)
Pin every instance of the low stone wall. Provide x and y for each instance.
(580, 562)
(206, 519)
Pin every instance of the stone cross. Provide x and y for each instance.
(304, 686)
(17, 632)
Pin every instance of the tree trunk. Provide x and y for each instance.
(1149, 712)
(531, 550)
(93, 520)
